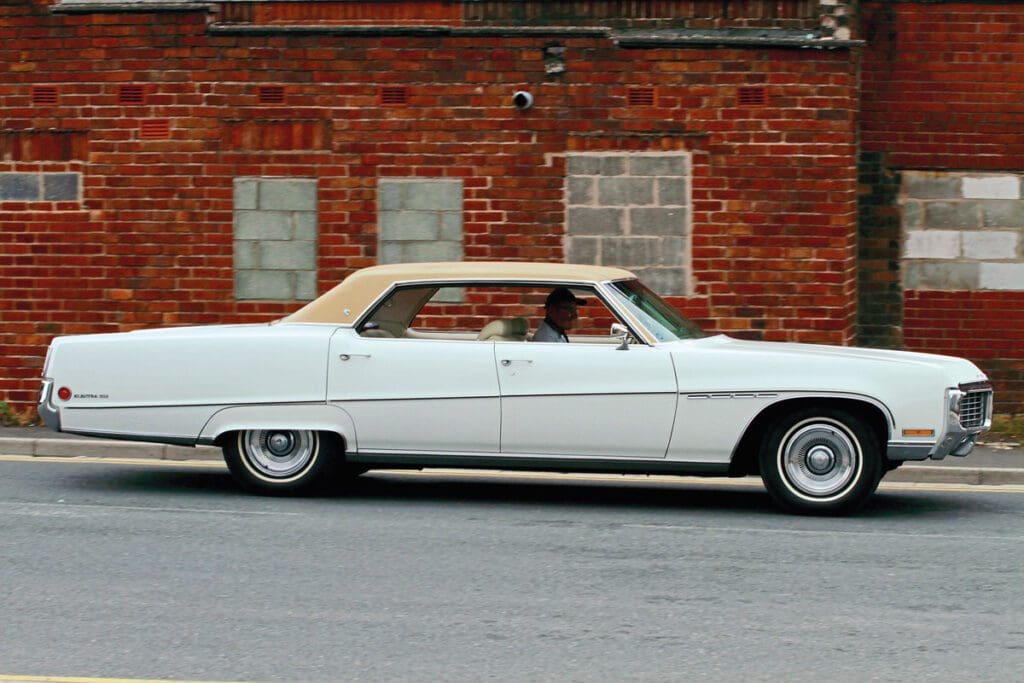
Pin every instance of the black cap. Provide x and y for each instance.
(562, 295)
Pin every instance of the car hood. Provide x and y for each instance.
(799, 363)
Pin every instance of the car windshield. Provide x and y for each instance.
(663, 321)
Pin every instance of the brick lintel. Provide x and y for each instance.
(640, 38)
(404, 30)
(624, 39)
(130, 7)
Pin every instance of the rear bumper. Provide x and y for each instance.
(46, 409)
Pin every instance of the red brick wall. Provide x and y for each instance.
(943, 89)
(986, 327)
(943, 84)
(774, 186)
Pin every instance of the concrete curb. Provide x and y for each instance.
(102, 448)
(937, 474)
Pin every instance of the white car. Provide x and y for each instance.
(435, 365)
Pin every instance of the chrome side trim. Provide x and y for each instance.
(397, 460)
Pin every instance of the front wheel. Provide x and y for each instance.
(277, 460)
(821, 462)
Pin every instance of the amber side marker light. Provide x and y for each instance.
(64, 393)
(918, 432)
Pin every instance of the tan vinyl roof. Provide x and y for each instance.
(345, 303)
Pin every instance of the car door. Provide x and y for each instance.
(583, 399)
(415, 395)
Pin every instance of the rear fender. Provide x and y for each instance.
(317, 417)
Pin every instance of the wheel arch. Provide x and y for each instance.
(318, 418)
(744, 457)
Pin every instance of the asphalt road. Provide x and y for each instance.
(116, 570)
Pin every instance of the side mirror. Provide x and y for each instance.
(620, 332)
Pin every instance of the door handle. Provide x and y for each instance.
(509, 361)
(348, 356)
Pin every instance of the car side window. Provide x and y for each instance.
(489, 312)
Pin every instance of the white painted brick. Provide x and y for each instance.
(932, 244)
(990, 245)
(992, 187)
(1002, 276)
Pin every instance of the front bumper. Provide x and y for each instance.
(969, 413)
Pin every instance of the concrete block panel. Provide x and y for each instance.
(1003, 213)
(419, 219)
(930, 185)
(61, 187)
(1004, 276)
(659, 165)
(581, 191)
(625, 191)
(673, 192)
(991, 245)
(951, 275)
(305, 286)
(639, 252)
(586, 221)
(613, 165)
(246, 191)
(666, 281)
(290, 255)
(264, 284)
(658, 221)
(263, 225)
(390, 195)
(451, 226)
(275, 231)
(586, 250)
(19, 187)
(287, 195)
(398, 226)
(958, 215)
(630, 251)
(431, 251)
(992, 187)
(247, 255)
(389, 252)
(932, 244)
(913, 215)
(305, 226)
(433, 195)
(583, 164)
(631, 210)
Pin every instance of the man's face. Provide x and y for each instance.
(563, 314)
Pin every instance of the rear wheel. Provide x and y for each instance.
(278, 460)
(823, 461)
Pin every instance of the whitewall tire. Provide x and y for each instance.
(824, 461)
(278, 460)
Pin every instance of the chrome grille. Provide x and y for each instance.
(974, 408)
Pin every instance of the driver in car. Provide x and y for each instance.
(560, 316)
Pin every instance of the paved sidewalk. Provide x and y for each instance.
(991, 463)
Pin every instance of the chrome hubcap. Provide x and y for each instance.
(819, 458)
(280, 443)
(279, 453)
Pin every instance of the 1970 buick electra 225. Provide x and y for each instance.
(431, 365)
